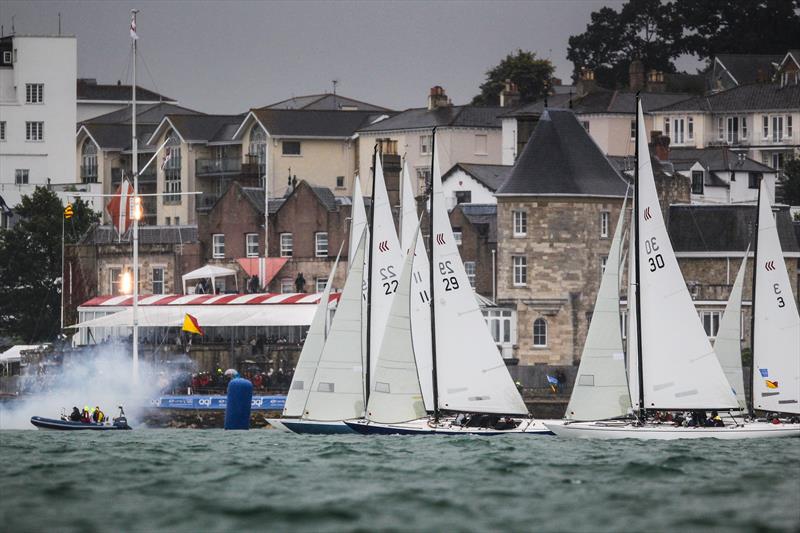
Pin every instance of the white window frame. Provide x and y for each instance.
(287, 244)
(603, 263)
(218, 246)
(425, 144)
(2, 130)
(539, 344)
(713, 318)
(114, 280)
(689, 128)
(320, 284)
(776, 122)
(7, 56)
(605, 223)
(457, 236)
(22, 176)
(502, 325)
(519, 223)
(287, 283)
(633, 130)
(299, 148)
(481, 144)
(469, 268)
(765, 127)
(321, 244)
(162, 281)
(34, 93)
(519, 270)
(34, 131)
(788, 122)
(251, 244)
(586, 125)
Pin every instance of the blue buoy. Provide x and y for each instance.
(237, 408)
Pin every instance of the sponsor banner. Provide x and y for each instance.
(259, 403)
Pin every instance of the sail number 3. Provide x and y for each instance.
(450, 282)
(656, 261)
(777, 288)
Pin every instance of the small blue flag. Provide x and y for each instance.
(551, 379)
(764, 372)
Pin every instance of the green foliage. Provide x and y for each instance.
(791, 182)
(531, 76)
(30, 264)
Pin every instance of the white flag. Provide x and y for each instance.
(133, 27)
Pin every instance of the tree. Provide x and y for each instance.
(30, 264)
(791, 182)
(531, 76)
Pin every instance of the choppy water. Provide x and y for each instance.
(173, 480)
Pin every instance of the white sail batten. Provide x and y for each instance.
(387, 260)
(632, 349)
(397, 396)
(471, 372)
(679, 367)
(601, 388)
(312, 349)
(728, 344)
(337, 392)
(776, 335)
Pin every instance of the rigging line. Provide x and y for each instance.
(699, 231)
(127, 70)
(147, 68)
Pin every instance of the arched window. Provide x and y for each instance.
(89, 162)
(172, 169)
(540, 332)
(258, 150)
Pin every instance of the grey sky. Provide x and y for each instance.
(226, 57)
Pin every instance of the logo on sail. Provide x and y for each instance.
(383, 246)
(769, 265)
(764, 372)
(440, 238)
(771, 384)
(647, 215)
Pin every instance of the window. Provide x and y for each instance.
(777, 161)
(666, 126)
(457, 236)
(481, 144)
(540, 333)
(320, 284)
(603, 262)
(623, 324)
(34, 93)
(744, 127)
(424, 175)
(777, 129)
(339, 182)
(677, 129)
(765, 126)
(172, 170)
(425, 144)
(89, 162)
(218, 246)
(286, 245)
(158, 280)
(463, 197)
(320, 244)
(287, 285)
(251, 244)
(585, 124)
(34, 131)
(697, 182)
(690, 128)
(732, 130)
(499, 322)
(7, 57)
(21, 176)
(633, 130)
(290, 147)
(520, 223)
(2, 130)
(604, 223)
(788, 125)
(257, 151)
(177, 221)
(520, 267)
(754, 180)
(469, 266)
(114, 275)
(710, 322)
(167, 221)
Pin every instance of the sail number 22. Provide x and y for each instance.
(450, 282)
(656, 261)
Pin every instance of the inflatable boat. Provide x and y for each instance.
(68, 425)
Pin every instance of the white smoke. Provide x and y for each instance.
(100, 377)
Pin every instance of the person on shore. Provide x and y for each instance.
(76, 415)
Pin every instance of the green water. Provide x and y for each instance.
(173, 480)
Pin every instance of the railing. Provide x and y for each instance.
(204, 167)
(148, 176)
(89, 174)
(206, 201)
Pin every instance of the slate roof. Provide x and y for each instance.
(465, 116)
(491, 176)
(202, 127)
(600, 101)
(722, 228)
(324, 102)
(255, 195)
(745, 67)
(482, 214)
(561, 159)
(118, 136)
(715, 159)
(147, 235)
(313, 123)
(145, 114)
(91, 90)
(755, 97)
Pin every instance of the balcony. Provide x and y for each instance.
(148, 176)
(206, 201)
(89, 174)
(217, 167)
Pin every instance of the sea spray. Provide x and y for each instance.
(98, 377)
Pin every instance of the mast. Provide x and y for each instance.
(642, 409)
(751, 402)
(430, 273)
(132, 203)
(368, 362)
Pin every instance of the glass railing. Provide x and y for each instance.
(89, 174)
(217, 166)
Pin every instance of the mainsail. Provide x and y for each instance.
(632, 348)
(337, 392)
(728, 344)
(776, 324)
(601, 388)
(679, 367)
(358, 220)
(309, 356)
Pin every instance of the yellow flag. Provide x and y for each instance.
(190, 324)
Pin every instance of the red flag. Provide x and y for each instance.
(118, 207)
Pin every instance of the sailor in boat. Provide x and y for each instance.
(76, 415)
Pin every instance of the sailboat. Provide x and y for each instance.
(728, 345)
(468, 375)
(675, 367)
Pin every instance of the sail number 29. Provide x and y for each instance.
(656, 261)
(450, 282)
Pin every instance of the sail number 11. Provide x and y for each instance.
(657, 261)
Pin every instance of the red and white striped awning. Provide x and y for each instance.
(208, 299)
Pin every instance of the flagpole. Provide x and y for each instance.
(266, 217)
(135, 172)
(63, 216)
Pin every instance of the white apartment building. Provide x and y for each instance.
(37, 113)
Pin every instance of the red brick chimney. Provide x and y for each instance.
(437, 98)
(636, 75)
(655, 82)
(586, 83)
(509, 96)
(659, 145)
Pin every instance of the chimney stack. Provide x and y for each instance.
(509, 96)
(437, 98)
(655, 82)
(636, 75)
(586, 83)
(659, 145)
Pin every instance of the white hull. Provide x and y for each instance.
(626, 430)
(446, 426)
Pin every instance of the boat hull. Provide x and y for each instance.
(68, 425)
(423, 426)
(309, 427)
(622, 430)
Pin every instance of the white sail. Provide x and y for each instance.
(679, 367)
(396, 396)
(472, 376)
(601, 387)
(387, 260)
(309, 356)
(728, 345)
(358, 220)
(337, 392)
(632, 348)
(408, 211)
(776, 335)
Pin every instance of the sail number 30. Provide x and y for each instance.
(450, 282)
(656, 261)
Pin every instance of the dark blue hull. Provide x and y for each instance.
(68, 425)
(304, 427)
(388, 429)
